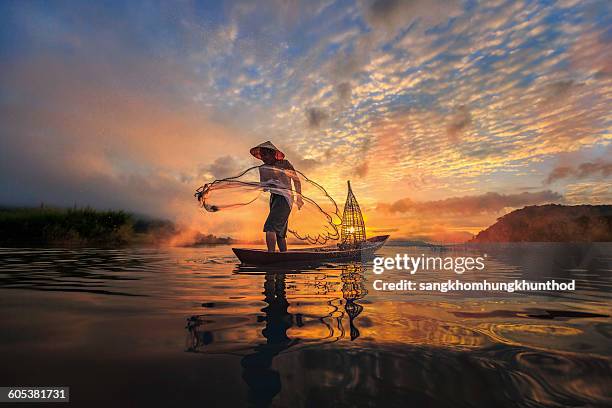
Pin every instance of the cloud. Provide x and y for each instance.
(384, 230)
(456, 98)
(389, 15)
(459, 122)
(591, 53)
(77, 130)
(560, 89)
(600, 168)
(226, 166)
(351, 60)
(361, 170)
(589, 193)
(344, 92)
(316, 117)
(471, 205)
(299, 162)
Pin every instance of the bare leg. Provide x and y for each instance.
(282, 244)
(271, 240)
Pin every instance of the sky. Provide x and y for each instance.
(445, 115)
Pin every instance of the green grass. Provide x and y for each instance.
(77, 226)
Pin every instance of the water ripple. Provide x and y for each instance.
(510, 349)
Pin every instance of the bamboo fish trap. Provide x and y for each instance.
(352, 229)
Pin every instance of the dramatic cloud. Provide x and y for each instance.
(471, 205)
(599, 168)
(77, 130)
(128, 105)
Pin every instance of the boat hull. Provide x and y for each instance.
(309, 256)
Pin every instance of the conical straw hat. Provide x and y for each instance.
(256, 151)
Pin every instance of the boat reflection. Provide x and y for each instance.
(353, 289)
(318, 331)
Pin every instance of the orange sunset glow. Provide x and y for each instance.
(444, 115)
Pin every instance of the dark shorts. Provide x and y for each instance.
(279, 215)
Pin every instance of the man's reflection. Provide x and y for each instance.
(263, 381)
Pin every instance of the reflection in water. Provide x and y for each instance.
(414, 349)
(264, 382)
(313, 337)
(353, 289)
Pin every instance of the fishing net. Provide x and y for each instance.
(316, 220)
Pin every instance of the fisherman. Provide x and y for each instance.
(276, 174)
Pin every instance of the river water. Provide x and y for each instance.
(190, 327)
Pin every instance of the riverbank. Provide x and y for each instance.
(47, 226)
(78, 227)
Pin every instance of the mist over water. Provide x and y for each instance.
(190, 327)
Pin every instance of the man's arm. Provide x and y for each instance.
(297, 183)
(293, 175)
(264, 177)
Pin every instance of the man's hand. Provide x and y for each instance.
(299, 202)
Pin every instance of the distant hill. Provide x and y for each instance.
(414, 243)
(552, 223)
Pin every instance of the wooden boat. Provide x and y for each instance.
(311, 255)
(353, 243)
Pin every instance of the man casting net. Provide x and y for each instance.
(297, 204)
